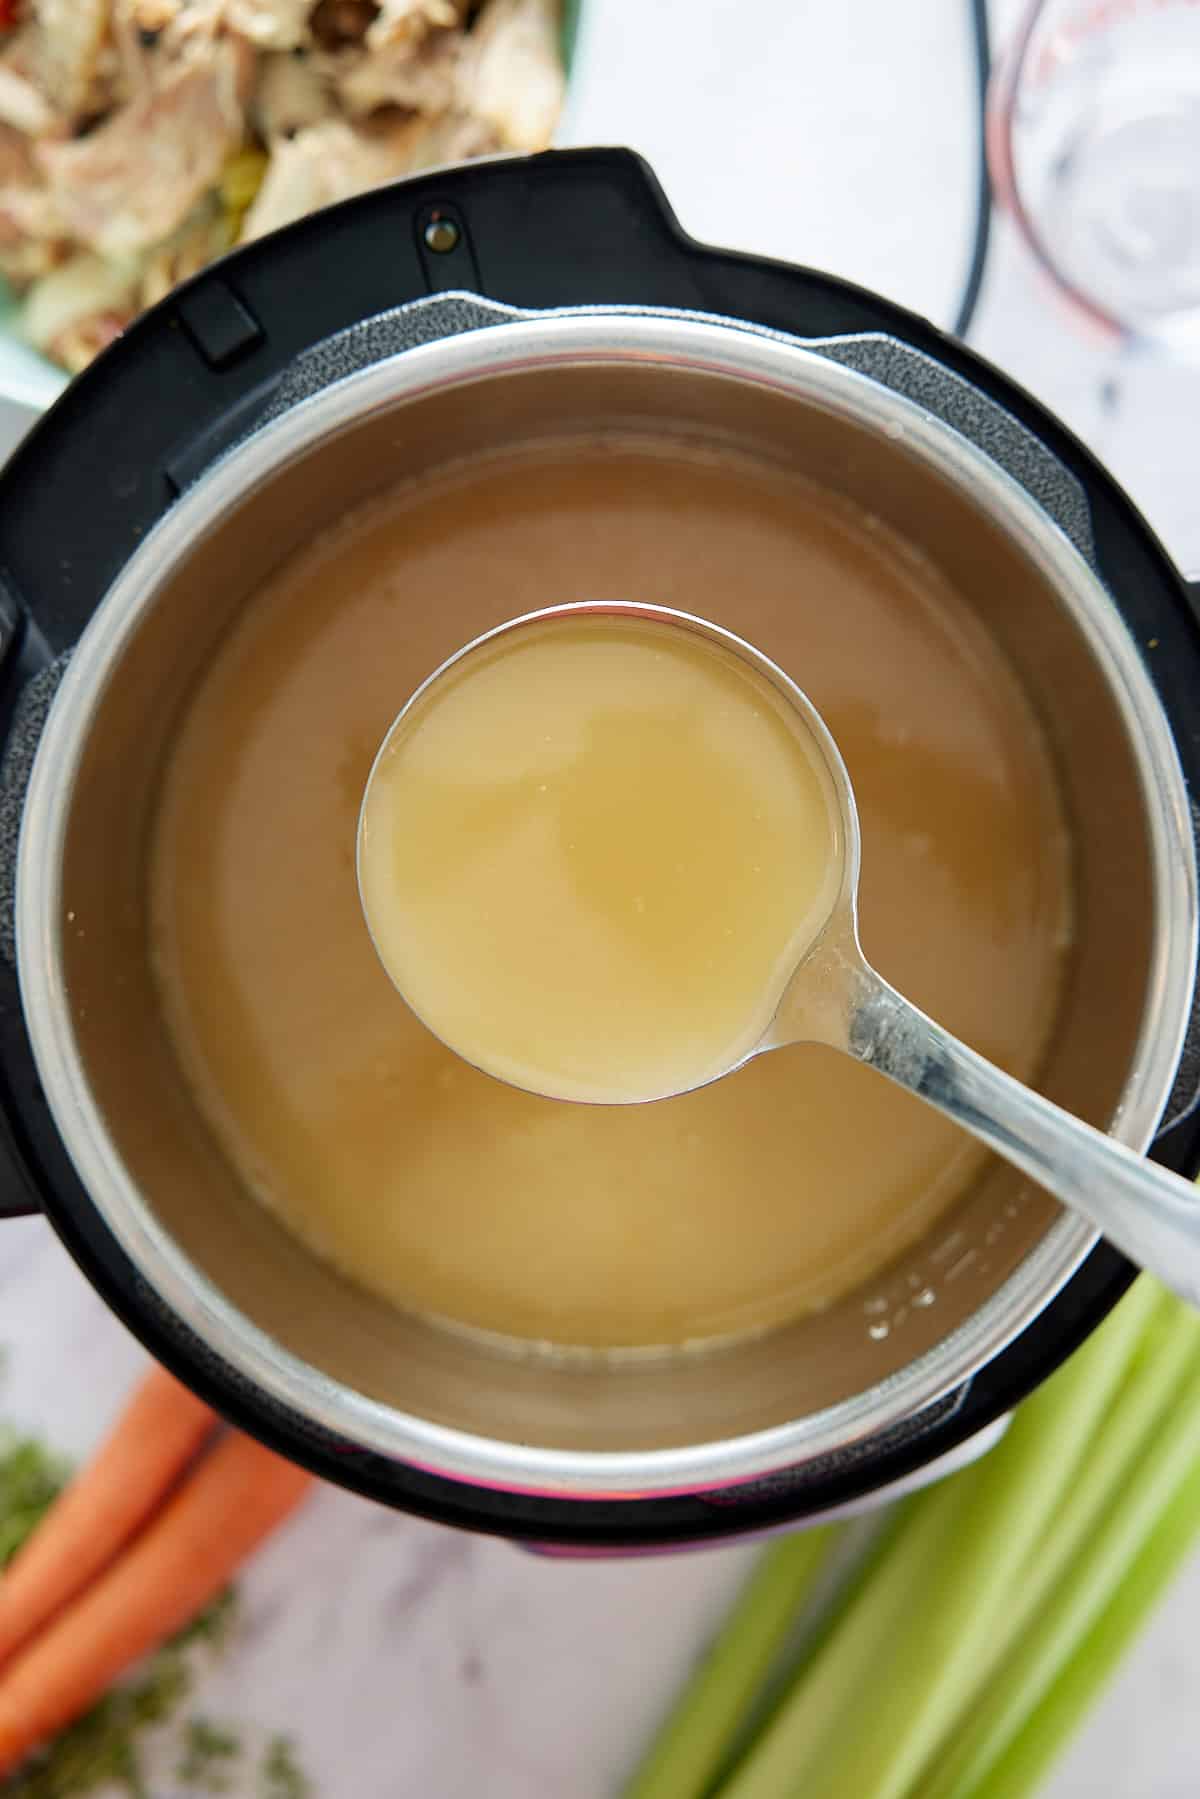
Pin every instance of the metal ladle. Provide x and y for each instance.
(835, 997)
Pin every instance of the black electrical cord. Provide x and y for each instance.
(983, 199)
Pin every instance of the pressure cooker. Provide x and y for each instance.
(468, 309)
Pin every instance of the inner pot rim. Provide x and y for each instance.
(697, 346)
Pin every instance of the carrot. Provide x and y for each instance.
(158, 1433)
(237, 1495)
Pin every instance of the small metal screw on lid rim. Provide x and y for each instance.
(441, 236)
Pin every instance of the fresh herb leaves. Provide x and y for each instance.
(107, 1748)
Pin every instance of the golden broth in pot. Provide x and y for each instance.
(729, 1210)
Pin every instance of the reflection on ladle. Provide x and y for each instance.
(611, 852)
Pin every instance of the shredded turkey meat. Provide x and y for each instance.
(140, 139)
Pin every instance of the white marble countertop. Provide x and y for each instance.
(409, 1660)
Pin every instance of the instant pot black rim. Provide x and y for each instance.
(566, 228)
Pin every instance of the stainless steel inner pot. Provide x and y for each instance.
(279, 1318)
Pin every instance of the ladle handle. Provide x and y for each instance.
(1150, 1214)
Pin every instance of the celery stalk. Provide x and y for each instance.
(826, 1698)
(687, 1755)
(1143, 1453)
(1021, 1769)
(921, 1670)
